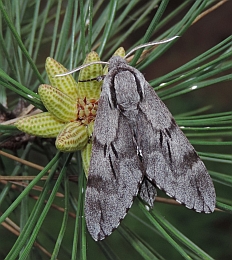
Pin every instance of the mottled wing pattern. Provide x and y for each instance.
(114, 174)
(136, 135)
(169, 159)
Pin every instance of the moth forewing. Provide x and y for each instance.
(115, 171)
(170, 161)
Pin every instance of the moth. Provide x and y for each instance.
(137, 144)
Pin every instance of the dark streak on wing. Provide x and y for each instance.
(114, 150)
(112, 167)
(169, 151)
(168, 133)
(139, 88)
(161, 138)
(112, 93)
(105, 148)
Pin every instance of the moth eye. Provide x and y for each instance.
(100, 78)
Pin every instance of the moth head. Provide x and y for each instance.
(116, 61)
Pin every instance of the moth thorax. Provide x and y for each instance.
(87, 110)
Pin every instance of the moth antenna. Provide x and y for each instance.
(80, 68)
(107, 63)
(149, 44)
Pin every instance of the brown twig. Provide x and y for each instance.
(13, 228)
(25, 162)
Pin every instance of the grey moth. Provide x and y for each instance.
(137, 144)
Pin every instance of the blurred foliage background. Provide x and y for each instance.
(48, 206)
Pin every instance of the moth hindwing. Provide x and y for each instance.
(137, 141)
